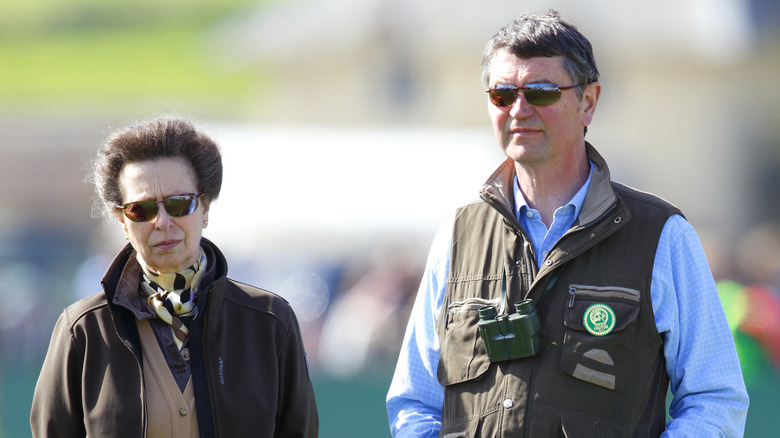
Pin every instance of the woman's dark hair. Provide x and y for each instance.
(163, 137)
(544, 35)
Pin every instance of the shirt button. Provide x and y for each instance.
(529, 214)
(508, 403)
(183, 412)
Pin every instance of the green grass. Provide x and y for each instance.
(46, 16)
(122, 63)
(116, 52)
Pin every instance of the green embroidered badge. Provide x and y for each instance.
(599, 319)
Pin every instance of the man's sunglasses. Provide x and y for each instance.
(176, 206)
(539, 94)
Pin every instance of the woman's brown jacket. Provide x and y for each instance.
(248, 365)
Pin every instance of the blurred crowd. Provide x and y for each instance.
(747, 272)
(353, 310)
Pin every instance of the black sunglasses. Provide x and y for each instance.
(539, 94)
(176, 206)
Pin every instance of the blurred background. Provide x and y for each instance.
(350, 129)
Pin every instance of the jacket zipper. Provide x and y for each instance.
(210, 382)
(144, 415)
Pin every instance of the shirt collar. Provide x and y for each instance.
(521, 205)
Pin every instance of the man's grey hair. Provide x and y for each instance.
(544, 35)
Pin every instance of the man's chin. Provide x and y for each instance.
(518, 152)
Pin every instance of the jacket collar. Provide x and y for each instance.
(123, 274)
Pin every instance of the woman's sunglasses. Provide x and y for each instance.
(540, 94)
(176, 206)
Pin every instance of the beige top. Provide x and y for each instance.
(169, 412)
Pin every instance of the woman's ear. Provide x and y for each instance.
(206, 204)
(120, 216)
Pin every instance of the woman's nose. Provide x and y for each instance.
(163, 219)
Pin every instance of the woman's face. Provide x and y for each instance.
(166, 244)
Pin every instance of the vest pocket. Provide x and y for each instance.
(576, 426)
(600, 333)
(463, 356)
(466, 429)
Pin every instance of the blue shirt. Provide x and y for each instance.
(709, 395)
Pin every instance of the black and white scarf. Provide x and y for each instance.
(173, 295)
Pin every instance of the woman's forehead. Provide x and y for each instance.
(156, 178)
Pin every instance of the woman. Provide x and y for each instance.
(171, 346)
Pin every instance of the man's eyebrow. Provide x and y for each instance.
(541, 80)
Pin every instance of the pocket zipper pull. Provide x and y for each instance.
(572, 296)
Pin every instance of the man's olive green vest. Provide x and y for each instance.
(611, 383)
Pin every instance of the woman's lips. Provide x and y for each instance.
(166, 245)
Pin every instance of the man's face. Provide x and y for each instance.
(533, 135)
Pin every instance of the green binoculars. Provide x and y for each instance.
(510, 336)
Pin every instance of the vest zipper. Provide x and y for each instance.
(579, 228)
(529, 264)
(466, 305)
(473, 303)
(602, 292)
(572, 297)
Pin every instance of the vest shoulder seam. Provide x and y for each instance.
(628, 192)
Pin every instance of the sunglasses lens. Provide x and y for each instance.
(536, 94)
(140, 211)
(502, 95)
(542, 95)
(178, 206)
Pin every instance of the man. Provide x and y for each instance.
(625, 304)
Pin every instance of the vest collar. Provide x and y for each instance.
(600, 195)
(497, 190)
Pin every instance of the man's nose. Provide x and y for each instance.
(520, 108)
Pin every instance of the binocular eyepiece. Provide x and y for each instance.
(511, 336)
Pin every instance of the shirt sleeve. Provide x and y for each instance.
(709, 395)
(415, 398)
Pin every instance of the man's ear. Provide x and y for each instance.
(590, 97)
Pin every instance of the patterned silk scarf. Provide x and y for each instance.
(172, 296)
